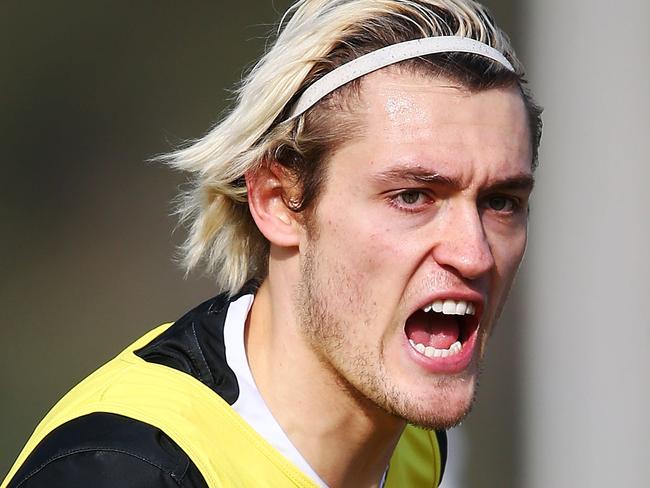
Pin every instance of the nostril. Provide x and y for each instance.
(472, 258)
(465, 250)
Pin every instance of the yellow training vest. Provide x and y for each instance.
(222, 445)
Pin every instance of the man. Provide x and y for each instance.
(363, 209)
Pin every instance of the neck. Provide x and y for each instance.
(346, 439)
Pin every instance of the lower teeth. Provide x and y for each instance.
(432, 352)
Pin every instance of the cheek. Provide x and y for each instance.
(370, 240)
(384, 255)
(508, 252)
(367, 259)
(360, 237)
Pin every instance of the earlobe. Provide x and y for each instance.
(266, 189)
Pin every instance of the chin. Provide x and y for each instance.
(445, 406)
(442, 419)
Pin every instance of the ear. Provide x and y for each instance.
(267, 187)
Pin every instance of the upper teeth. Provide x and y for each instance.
(451, 307)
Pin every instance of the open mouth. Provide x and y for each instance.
(442, 328)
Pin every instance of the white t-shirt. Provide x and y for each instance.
(250, 404)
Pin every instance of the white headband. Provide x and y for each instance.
(390, 55)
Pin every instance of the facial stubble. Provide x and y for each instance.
(321, 302)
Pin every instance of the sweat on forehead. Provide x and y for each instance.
(339, 116)
(390, 55)
(460, 70)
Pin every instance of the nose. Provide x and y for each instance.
(462, 243)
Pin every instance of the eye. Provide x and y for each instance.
(410, 197)
(504, 204)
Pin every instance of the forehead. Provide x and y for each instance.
(408, 116)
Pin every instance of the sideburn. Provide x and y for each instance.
(316, 323)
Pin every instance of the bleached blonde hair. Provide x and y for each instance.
(314, 37)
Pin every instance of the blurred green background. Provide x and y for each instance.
(89, 92)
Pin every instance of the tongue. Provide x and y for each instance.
(432, 329)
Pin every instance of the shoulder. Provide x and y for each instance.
(195, 345)
(106, 450)
(112, 450)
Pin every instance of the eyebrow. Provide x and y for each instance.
(415, 174)
(517, 182)
(521, 182)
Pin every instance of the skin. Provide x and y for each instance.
(430, 202)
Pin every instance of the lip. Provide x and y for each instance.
(460, 361)
(448, 365)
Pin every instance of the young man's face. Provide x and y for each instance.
(427, 207)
